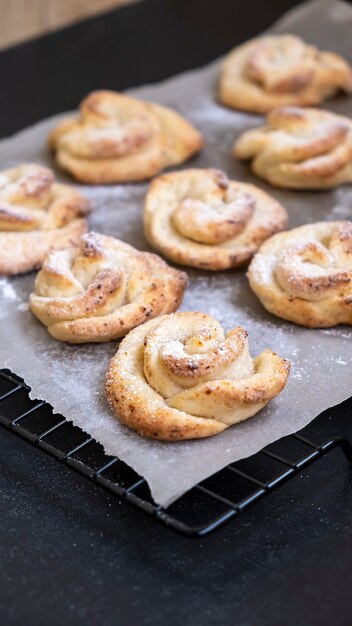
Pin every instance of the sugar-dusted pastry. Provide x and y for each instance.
(102, 288)
(279, 70)
(116, 139)
(200, 218)
(181, 377)
(37, 215)
(300, 149)
(304, 275)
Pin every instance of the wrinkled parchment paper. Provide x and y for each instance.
(71, 377)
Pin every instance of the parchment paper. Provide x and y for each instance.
(71, 377)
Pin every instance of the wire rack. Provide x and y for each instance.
(204, 508)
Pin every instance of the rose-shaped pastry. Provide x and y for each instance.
(202, 219)
(116, 139)
(180, 377)
(102, 288)
(300, 149)
(37, 215)
(305, 275)
(279, 70)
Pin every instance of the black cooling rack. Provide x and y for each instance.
(201, 510)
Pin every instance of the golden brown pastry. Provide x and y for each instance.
(102, 288)
(279, 70)
(116, 139)
(180, 377)
(200, 218)
(300, 149)
(37, 215)
(305, 275)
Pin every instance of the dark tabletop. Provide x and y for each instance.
(70, 552)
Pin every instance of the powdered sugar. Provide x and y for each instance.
(7, 290)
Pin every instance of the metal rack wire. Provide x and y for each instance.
(201, 510)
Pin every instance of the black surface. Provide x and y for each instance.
(72, 554)
(206, 507)
(135, 45)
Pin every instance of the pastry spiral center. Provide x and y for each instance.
(26, 184)
(296, 125)
(182, 355)
(309, 271)
(87, 282)
(115, 138)
(25, 194)
(282, 65)
(216, 220)
(183, 364)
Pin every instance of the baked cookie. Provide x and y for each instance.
(300, 149)
(279, 70)
(200, 218)
(180, 377)
(304, 275)
(102, 288)
(116, 139)
(37, 215)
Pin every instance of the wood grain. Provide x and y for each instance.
(24, 19)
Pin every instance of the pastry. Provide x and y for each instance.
(202, 219)
(300, 149)
(279, 70)
(116, 139)
(180, 377)
(305, 275)
(102, 288)
(37, 215)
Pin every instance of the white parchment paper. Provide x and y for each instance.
(71, 377)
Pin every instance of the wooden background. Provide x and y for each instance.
(23, 19)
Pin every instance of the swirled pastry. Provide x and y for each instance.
(102, 288)
(116, 139)
(279, 70)
(202, 219)
(300, 149)
(305, 275)
(37, 215)
(180, 377)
